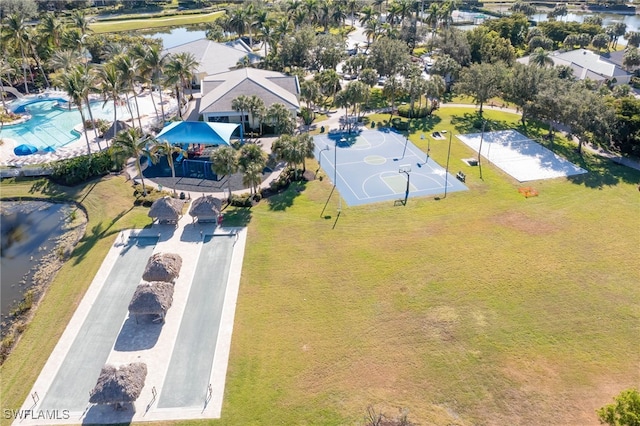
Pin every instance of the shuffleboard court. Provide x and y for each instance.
(369, 165)
(88, 353)
(519, 156)
(188, 376)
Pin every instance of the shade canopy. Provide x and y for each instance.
(166, 209)
(187, 132)
(116, 127)
(25, 149)
(152, 298)
(206, 208)
(162, 267)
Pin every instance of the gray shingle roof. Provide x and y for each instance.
(585, 64)
(215, 57)
(219, 90)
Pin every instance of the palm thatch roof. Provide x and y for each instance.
(116, 127)
(166, 209)
(162, 267)
(152, 298)
(206, 208)
(119, 385)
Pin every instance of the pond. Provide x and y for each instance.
(33, 233)
(176, 36)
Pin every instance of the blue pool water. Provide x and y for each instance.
(52, 126)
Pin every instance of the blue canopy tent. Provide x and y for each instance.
(198, 132)
(25, 149)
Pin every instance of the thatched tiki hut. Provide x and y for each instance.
(162, 267)
(166, 210)
(206, 209)
(153, 298)
(118, 386)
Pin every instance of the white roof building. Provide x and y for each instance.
(587, 64)
(219, 90)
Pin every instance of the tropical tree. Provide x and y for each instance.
(153, 63)
(64, 59)
(631, 58)
(481, 82)
(600, 41)
(392, 90)
(165, 148)
(251, 162)
(526, 9)
(14, 33)
(51, 28)
(329, 82)
(224, 161)
(110, 86)
(179, 71)
(241, 104)
(540, 58)
(278, 116)
(436, 87)
(447, 67)
(74, 83)
(522, 84)
(130, 143)
(294, 150)
(129, 68)
(256, 109)
(633, 38)
(625, 411)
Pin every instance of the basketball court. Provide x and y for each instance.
(519, 156)
(380, 165)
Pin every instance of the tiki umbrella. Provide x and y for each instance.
(162, 267)
(153, 298)
(206, 209)
(119, 386)
(166, 210)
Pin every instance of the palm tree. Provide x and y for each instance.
(241, 105)
(153, 63)
(540, 57)
(129, 68)
(392, 90)
(268, 36)
(65, 59)
(111, 85)
(89, 84)
(179, 71)
(294, 150)
(30, 41)
(252, 176)
(15, 29)
(74, 83)
(280, 118)
(224, 162)
(256, 108)
(130, 143)
(165, 148)
(51, 28)
(80, 21)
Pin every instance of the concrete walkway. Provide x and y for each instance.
(147, 342)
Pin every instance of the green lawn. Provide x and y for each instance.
(481, 308)
(139, 24)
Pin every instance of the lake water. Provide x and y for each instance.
(29, 233)
(177, 36)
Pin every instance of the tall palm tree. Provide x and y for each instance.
(153, 63)
(280, 118)
(294, 150)
(5, 70)
(130, 143)
(268, 36)
(30, 41)
(224, 162)
(89, 84)
(51, 27)
(64, 59)
(165, 148)
(256, 108)
(111, 85)
(80, 21)
(241, 105)
(252, 176)
(15, 28)
(74, 83)
(179, 71)
(129, 68)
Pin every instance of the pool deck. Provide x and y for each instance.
(154, 344)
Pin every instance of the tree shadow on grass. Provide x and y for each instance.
(472, 123)
(238, 216)
(99, 231)
(282, 200)
(425, 124)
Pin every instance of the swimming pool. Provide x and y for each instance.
(52, 125)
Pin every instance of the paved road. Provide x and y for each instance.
(90, 349)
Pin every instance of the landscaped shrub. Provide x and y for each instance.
(400, 125)
(245, 200)
(79, 169)
(418, 112)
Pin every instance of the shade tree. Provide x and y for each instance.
(481, 82)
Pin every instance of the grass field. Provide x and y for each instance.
(138, 24)
(481, 308)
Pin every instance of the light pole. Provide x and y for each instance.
(326, 148)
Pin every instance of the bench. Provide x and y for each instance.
(461, 176)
